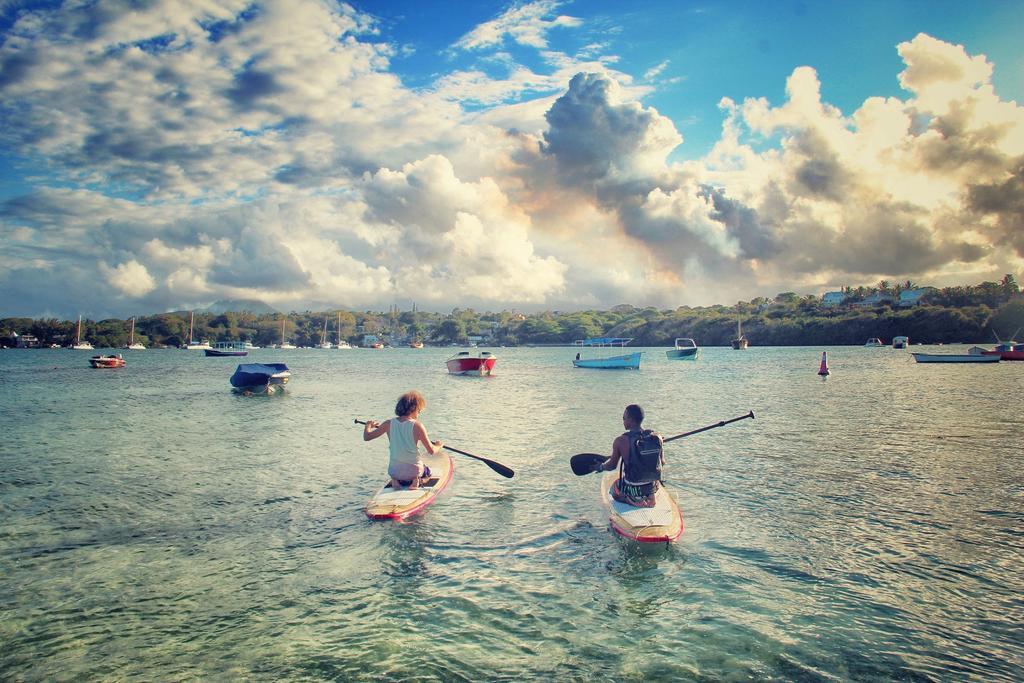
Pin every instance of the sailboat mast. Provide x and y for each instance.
(339, 329)
(191, 319)
(282, 331)
(78, 334)
(131, 335)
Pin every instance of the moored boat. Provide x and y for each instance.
(900, 342)
(397, 504)
(974, 357)
(192, 344)
(662, 523)
(627, 361)
(685, 348)
(463, 363)
(108, 361)
(79, 344)
(229, 348)
(740, 342)
(416, 345)
(260, 378)
(1010, 350)
(874, 342)
(132, 344)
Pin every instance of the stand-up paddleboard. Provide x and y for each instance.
(662, 523)
(391, 504)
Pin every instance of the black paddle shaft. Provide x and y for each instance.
(503, 470)
(749, 415)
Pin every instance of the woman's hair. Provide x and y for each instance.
(410, 402)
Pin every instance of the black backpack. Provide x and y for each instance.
(642, 465)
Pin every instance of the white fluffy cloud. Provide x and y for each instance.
(265, 150)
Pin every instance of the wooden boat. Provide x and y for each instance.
(463, 363)
(80, 345)
(229, 348)
(110, 361)
(628, 361)
(389, 503)
(954, 358)
(260, 378)
(740, 342)
(900, 342)
(662, 523)
(685, 348)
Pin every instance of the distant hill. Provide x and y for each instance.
(240, 305)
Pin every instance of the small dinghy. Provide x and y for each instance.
(389, 503)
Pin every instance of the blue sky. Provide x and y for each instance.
(532, 155)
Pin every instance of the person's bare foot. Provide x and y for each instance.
(395, 485)
(415, 483)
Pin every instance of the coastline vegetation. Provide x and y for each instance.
(972, 314)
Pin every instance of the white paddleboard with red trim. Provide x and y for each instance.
(662, 523)
(389, 503)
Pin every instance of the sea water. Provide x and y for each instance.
(156, 526)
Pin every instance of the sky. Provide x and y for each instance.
(494, 155)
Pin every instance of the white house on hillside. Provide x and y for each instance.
(912, 297)
(875, 299)
(833, 298)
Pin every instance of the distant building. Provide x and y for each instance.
(876, 299)
(25, 341)
(833, 298)
(912, 297)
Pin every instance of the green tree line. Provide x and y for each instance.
(972, 314)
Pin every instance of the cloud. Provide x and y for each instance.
(185, 152)
(130, 278)
(525, 24)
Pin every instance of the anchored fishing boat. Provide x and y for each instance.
(630, 361)
(109, 361)
(874, 342)
(397, 504)
(685, 349)
(260, 378)
(463, 363)
(900, 342)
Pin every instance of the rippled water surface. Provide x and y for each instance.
(157, 527)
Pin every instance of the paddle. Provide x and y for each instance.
(585, 463)
(506, 472)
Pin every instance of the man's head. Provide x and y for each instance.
(633, 416)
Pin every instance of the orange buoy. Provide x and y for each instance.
(823, 370)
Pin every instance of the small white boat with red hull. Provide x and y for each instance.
(463, 363)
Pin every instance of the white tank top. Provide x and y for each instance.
(402, 442)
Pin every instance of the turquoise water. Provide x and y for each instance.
(869, 526)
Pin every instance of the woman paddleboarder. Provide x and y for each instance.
(405, 432)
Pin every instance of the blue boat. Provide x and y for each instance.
(630, 361)
(260, 378)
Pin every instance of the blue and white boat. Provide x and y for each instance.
(260, 378)
(685, 349)
(629, 361)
